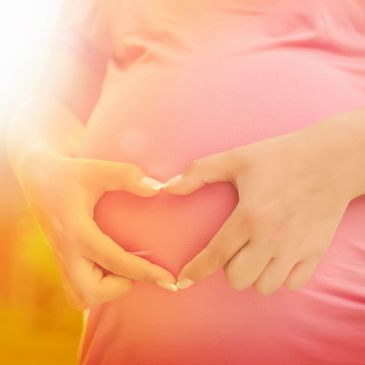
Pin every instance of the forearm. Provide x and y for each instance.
(42, 124)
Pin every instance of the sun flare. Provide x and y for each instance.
(25, 28)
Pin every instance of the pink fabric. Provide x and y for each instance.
(190, 78)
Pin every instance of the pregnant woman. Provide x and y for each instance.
(258, 107)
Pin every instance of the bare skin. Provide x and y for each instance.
(62, 191)
(42, 144)
(292, 195)
(95, 268)
(293, 191)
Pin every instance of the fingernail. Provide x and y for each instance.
(153, 183)
(184, 283)
(168, 286)
(173, 180)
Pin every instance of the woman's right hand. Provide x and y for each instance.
(62, 192)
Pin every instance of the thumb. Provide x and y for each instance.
(110, 175)
(214, 168)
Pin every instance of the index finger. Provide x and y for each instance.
(109, 255)
(229, 239)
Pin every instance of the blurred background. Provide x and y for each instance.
(37, 324)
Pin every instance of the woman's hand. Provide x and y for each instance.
(63, 192)
(293, 191)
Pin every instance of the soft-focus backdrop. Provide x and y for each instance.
(37, 325)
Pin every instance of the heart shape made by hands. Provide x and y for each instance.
(167, 229)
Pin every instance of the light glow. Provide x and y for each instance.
(25, 29)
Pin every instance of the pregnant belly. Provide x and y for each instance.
(163, 116)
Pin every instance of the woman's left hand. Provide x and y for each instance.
(293, 191)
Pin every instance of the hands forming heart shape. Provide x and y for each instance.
(291, 198)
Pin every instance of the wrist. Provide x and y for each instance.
(343, 138)
(33, 159)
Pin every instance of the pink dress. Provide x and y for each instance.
(190, 78)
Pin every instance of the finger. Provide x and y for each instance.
(226, 242)
(274, 275)
(246, 266)
(311, 250)
(286, 257)
(104, 287)
(104, 251)
(214, 168)
(111, 176)
(88, 285)
(301, 273)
